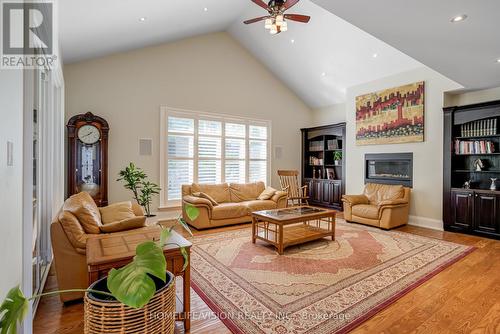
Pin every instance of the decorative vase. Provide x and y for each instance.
(106, 315)
(493, 185)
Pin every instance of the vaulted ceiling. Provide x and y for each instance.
(467, 52)
(319, 60)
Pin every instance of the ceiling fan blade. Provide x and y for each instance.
(261, 3)
(290, 3)
(257, 19)
(298, 18)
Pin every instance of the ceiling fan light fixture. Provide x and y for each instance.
(284, 26)
(268, 24)
(274, 29)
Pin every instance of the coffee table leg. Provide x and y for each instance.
(254, 228)
(280, 242)
(186, 298)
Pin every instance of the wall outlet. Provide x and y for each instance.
(10, 153)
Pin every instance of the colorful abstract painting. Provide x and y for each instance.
(391, 116)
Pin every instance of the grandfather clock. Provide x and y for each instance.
(88, 156)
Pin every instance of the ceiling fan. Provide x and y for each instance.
(276, 20)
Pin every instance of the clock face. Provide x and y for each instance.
(89, 134)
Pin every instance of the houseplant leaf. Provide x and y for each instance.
(131, 284)
(13, 311)
(186, 258)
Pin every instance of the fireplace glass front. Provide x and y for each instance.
(393, 168)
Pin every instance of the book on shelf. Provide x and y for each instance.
(474, 147)
(316, 146)
(484, 127)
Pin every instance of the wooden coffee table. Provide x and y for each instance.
(107, 252)
(292, 226)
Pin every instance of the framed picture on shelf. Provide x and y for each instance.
(330, 174)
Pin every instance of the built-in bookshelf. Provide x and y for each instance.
(323, 170)
(471, 160)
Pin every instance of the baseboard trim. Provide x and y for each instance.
(434, 224)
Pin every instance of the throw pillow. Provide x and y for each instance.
(82, 205)
(268, 193)
(206, 196)
(124, 225)
(116, 212)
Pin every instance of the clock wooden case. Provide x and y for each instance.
(88, 156)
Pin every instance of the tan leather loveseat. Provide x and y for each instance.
(380, 205)
(229, 203)
(69, 240)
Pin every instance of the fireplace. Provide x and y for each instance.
(389, 168)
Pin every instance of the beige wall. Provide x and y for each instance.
(329, 115)
(11, 179)
(485, 95)
(210, 73)
(426, 205)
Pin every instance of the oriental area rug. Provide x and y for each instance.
(320, 287)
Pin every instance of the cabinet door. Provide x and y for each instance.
(337, 194)
(315, 191)
(461, 210)
(326, 192)
(486, 213)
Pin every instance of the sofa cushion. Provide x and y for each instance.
(206, 196)
(259, 205)
(241, 192)
(268, 193)
(219, 192)
(116, 212)
(365, 210)
(73, 229)
(229, 210)
(85, 210)
(377, 193)
(124, 225)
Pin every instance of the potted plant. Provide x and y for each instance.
(337, 158)
(141, 287)
(143, 190)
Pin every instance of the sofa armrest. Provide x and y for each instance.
(197, 201)
(393, 203)
(355, 199)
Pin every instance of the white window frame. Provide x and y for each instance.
(166, 112)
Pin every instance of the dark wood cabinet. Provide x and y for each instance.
(486, 206)
(471, 155)
(461, 210)
(475, 211)
(323, 164)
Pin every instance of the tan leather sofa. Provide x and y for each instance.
(236, 202)
(69, 240)
(380, 205)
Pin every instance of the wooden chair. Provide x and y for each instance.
(289, 181)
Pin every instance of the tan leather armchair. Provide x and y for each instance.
(69, 241)
(380, 205)
(234, 203)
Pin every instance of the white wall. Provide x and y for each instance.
(11, 180)
(210, 73)
(426, 204)
(462, 99)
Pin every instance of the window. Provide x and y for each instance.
(205, 148)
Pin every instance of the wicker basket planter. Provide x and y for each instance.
(110, 316)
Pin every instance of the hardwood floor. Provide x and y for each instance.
(464, 298)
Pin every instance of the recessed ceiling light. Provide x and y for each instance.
(205, 9)
(459, 18)
(292, 41)
(323, 74)
(375, 55)
(142, 19)
(498, 60)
